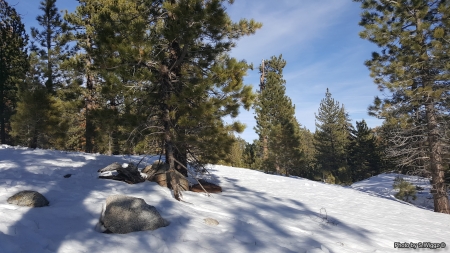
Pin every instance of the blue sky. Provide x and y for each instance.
(319, 41)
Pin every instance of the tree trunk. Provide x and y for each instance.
(88, 131)
(166, 92)
(49, 83)
(34, 139)
(2, 113)
(170, 153)
(181, 157)
(89, 105)
(439, 190)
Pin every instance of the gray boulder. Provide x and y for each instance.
(124, 214)
(28, 198)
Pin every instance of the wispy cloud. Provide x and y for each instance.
(320, 42)
(287, 25)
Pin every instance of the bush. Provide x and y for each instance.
(405, 190)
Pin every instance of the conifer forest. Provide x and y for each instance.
(156, 77)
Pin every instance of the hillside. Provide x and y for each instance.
(257, 212)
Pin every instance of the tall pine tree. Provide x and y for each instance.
(197, 82)
(277, 126)
(83, 34)
(36, 122)
(176, 62)
(413, 69)
(13, 63)
(331, 141)
(50, 47)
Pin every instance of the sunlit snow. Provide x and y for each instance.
(256, 212)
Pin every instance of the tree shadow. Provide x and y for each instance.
(252, 216)
(68, 223)
(251, 219)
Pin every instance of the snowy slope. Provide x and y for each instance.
(257, 212)
(381, 185)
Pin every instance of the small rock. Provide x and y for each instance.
(211, 222)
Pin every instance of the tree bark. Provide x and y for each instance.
(2, 112)
(439, 190)
(181, 157)
(166, 92)
(89, 127)
(89, 103)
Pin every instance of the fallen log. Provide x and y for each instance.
(129, 174)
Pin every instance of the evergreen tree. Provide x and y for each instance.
(36, 122)
(413, 67)
(249, 155)
(235, 157)
(365, 158)
(277, 126)
(13, 63)
(197, 83)
(331, 141)
(51, 48)
(176, 62)
(309, 151)
(82, 32)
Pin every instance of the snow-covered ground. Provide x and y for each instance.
(381, 186)
(257, 212)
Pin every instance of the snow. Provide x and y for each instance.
(256, 212)
(381, 185)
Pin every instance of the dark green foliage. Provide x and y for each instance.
(83, 34)
(196, 82)
(143, 76)
(162, 68)
(249, 154)
(412, 68)
(13, 63)
(331, 141)
(277, 126)
(237, 156)
(309, 152)
(406, 190)
(37, 121)
(365, 158)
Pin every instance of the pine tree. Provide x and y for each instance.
(51, 47)
(413, 67)
(249, 155)
(13, 63)
(82, 32)
(174, 57)
(235, 157)
(309, 152)
(365, 159)
(36, 122)
(331, 141)
(277, 126)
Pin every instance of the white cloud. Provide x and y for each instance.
(287, 25)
